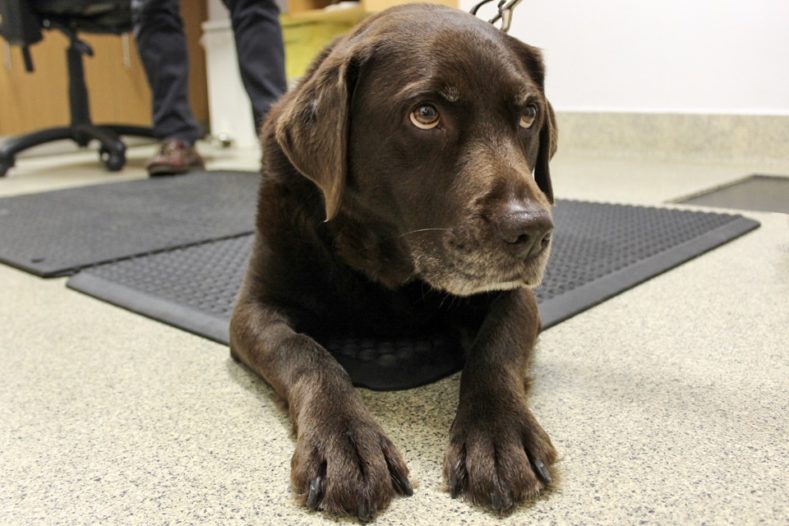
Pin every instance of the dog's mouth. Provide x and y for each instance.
(464, 268)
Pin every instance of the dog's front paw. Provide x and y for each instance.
(498, 457)
(345, 464)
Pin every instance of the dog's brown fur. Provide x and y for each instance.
(368, 223)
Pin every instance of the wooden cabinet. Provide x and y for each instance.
(117, 87)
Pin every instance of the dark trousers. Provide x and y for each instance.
(159, 33)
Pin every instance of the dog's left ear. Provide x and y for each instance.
(313, 127)
(531, 57)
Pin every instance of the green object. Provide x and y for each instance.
(305, 39)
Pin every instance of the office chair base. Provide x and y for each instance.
(112, 151)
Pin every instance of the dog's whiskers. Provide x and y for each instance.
(422, 230)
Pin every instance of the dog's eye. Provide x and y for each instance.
(425, 117)
(528, 116)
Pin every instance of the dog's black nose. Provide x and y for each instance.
(526, 229)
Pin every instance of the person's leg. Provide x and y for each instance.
(261, 53)
(159, 32)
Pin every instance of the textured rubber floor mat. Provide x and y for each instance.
(599, 251)
(56, 233)
(758, 192)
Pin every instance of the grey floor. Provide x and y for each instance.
(668, 403)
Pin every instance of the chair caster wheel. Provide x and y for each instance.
(113, 160)
(5, 165)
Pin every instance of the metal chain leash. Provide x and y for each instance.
(505, 8)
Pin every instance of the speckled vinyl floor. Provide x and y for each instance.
(668, 404)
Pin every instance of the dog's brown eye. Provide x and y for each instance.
(528, 116)
(425, 117)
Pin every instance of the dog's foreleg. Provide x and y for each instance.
(343, 462)
(499, 455)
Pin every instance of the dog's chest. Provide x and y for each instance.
(367, 308)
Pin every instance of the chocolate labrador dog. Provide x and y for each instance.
(405, 183)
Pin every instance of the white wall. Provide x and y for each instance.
(686, 56)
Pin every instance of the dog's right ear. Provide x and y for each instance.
(313, 127)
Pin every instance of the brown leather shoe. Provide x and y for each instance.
(175, 157)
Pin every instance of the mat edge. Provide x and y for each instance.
(75, 266)
(559, 309)
(190, 320)
(200, 324)
(683, 200)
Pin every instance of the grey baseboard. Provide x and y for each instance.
(677, 136)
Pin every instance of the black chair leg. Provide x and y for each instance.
(129, 130)
(112, 151)
(12, 146)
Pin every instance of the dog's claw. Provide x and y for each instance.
(401, 484)
(316, 493)
(542, 471)
(454, 491)
(364, 512)
(501, 501)
(458, 476)
(456, 483)
(399, 480)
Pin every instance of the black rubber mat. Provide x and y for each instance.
(599, 251)
(56, 233)
(758, 192)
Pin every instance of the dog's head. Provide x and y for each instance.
(433, 126)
